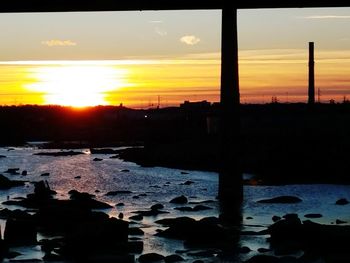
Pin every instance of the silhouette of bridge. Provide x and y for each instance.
(230, 180)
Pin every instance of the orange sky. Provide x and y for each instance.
(138, 83)
(134, 57)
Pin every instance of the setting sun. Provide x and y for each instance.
(76, 85)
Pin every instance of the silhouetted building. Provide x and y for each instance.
(197, 105)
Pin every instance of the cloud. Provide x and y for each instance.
(156, 21)
(58, 43)
(190, 40)
(160, 31)
(327, 17)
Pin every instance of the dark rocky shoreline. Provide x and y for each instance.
(87, 235)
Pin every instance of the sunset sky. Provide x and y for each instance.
(133, 57)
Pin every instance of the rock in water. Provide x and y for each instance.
(342, 201)
(281, 200)
(112, 193)
(313, 215)
(173, 258)
(157, 207)
(6, 183)
(179, 200)
(103, 151)
(150, 257)
(20, 231)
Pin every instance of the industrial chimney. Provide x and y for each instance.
(311, 92)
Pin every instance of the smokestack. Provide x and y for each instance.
(311, 92)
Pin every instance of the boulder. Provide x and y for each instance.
(153, 212)
(136, 217)
(118, 192)
(103, 151)
(281, 200)
(244, 250)
(173, 258)
(150, 257)
(136, 231)
(57, 154)
(179, 200)
(86, 200)
(193, 209)
(265, 259)
(197, 233)
(188, 183)
(42, 190)
(276, 218)
(20, 231)
(12, 171)
(97, 237)
(6, 183)
(339, 222)
(313, 215)
(135, 246)
(342, 201)
(157, 207)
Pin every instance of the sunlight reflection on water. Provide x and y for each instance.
(159, 185)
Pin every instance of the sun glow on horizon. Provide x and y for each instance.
(77, 85)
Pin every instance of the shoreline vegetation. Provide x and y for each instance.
(279, 143)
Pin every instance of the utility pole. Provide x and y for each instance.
(311, 93)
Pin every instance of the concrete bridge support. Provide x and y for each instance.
(230, 176)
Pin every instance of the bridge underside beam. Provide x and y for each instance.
(117, 5)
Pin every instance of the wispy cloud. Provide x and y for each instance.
(58, 43)
(326, 17)
(160, 31)
(156, 21)
(190, 40)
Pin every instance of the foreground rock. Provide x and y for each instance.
(173, 258)
(271, 259)
(152, 212)
(118, 192)
(342, 201)
(313, 215)
(6, 183)
(103, 151)
(290, 234)
(179, 200)
(193, 209)
(12, 171)
(86, 235)
(42, 198)
(281, 200)
(150, 257)
(205, 232)
(20, 231)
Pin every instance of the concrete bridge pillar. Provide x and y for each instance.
(230, 175)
